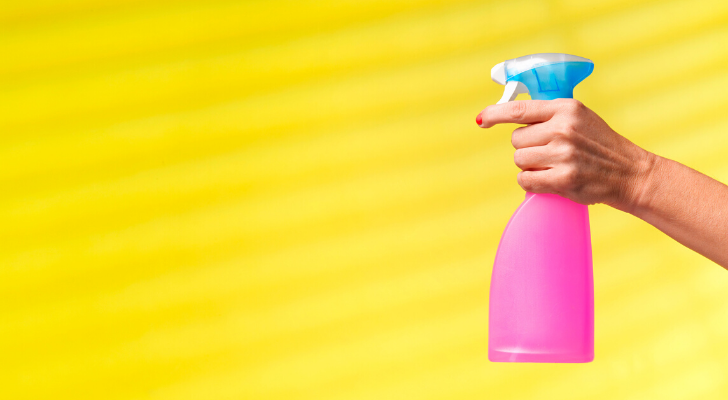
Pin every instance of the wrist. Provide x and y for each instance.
(639, 187)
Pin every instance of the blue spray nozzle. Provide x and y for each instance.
(545, 76)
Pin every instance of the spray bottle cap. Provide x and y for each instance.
(545, 76)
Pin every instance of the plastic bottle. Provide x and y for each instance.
(542, 290)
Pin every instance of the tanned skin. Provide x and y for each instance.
(567, 149)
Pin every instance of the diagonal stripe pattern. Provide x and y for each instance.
(290, 200)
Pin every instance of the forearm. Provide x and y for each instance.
(690, 207)
(567, 149)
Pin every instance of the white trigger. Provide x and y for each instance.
(513, 89)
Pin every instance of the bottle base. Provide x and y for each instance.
(506, 356)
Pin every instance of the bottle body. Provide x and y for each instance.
(542, 290)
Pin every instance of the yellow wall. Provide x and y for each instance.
(291, 199)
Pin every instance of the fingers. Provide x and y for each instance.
(518, 112)
(537, 181)
(534, 158)
(557, 180)
(532, 135)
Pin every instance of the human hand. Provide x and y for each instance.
(567, 149)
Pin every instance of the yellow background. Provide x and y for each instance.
(291, 199)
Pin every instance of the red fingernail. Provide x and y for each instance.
(478, 119)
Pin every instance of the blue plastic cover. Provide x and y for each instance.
(549, 76)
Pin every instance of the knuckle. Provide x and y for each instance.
(568, 152)
(529, 182)
(517, 110)
(573, 106)
(524, 180)
(567, 130)
(516, 136)
(518, 158)
(577, 105)
(569, 177)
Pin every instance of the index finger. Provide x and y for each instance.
(517, 112)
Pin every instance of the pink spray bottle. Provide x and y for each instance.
(542, 290)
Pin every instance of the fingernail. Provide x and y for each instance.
(478, 120)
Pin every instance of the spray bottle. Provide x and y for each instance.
(542, 290)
